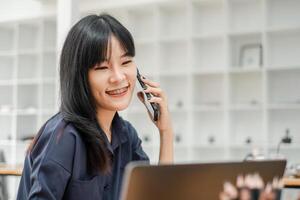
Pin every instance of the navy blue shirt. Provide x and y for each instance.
(56, 167)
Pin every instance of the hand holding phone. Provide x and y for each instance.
(153, 108)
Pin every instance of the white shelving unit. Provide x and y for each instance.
(27, 84)
(221, 109)
(193, 48)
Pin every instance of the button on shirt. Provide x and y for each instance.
(56, 166)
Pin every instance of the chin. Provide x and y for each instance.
(121, 107)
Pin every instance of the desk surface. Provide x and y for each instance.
(16, 170)
(291, 182)
(10, 170)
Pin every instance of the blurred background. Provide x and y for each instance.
(230, 68)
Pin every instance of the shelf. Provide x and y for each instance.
(49, 65)
(283, 13)
(245, 15)
(280, 121)
(208, 89)
(208, 18)
(6, 127)
(27, 67)
(246, 89)
(27, 111)
(27, 97)
(239, 44)
(205, 56)
(246, 127)
(283, 68)
(175, 88)
(6, 68)
(284, 49)
(180, 127)
(208, 107)
(209, 154)
(48, 96)
(284, 106)
(28, 36)
(144, 126)
(7, 38)
(255, 106)
(208, 128)
(280, 84)
(173, 20)
(142, 23)
(6, 153)
(49, 34)
(26, 126)
(245, 70)
(6, 100)
(173, 56)
(145, 57)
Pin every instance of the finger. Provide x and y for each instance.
(150, 83)
(155, 91)
(158, 100)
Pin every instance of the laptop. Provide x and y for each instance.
(190, 181)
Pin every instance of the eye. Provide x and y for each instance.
(101, 67)
(126, 62)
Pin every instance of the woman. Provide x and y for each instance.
(81, 152)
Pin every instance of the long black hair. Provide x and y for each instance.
(85, 46)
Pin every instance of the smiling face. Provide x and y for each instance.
(112, 82)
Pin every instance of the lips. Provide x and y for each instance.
(118, 92)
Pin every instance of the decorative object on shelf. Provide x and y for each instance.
(248, 140)
(293, 170)
(255, 154)
(211, 139)
(286, 139)
(179, 104)
(253, 102)
(178, 138)
(251, 56)
(146, 138)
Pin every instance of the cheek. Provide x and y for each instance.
(96, 84)
(132, 75)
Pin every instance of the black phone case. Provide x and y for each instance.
(153, 108)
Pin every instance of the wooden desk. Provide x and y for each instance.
(291, 182)
(10, 170)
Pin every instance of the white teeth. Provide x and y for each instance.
(117, 91)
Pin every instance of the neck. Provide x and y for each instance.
(104, 118)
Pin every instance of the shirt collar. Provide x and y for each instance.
(119, 135)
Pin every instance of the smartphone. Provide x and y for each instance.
(153, 108)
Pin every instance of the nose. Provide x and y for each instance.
(117, 75)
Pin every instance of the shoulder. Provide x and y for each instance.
(57, 142)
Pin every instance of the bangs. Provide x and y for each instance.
(99, 40)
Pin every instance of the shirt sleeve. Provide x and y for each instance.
(138, 154)
(49, 181)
